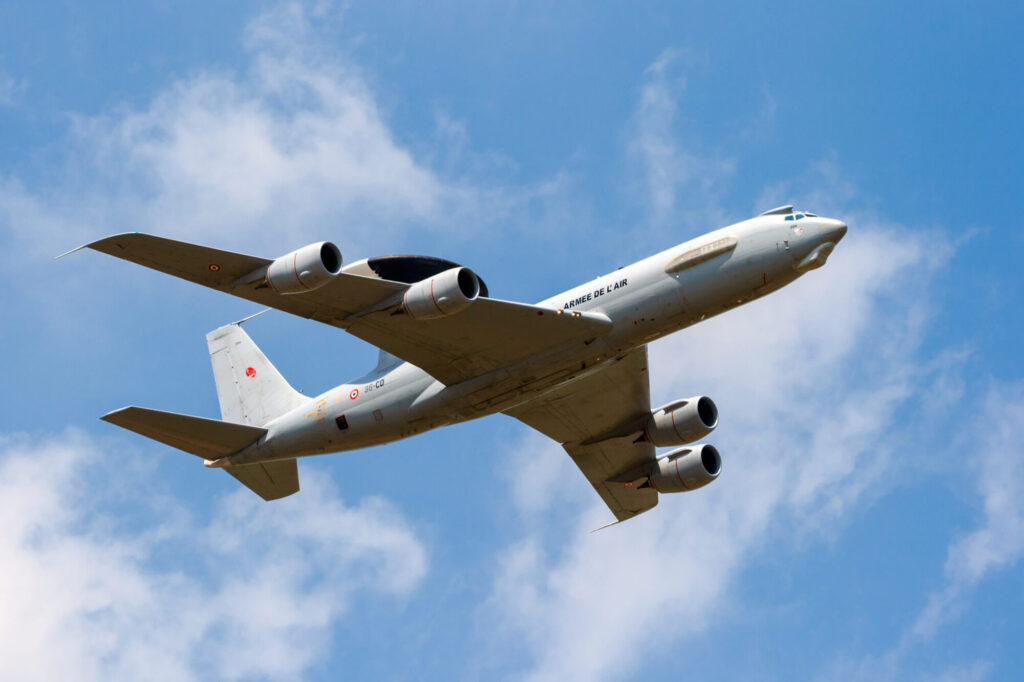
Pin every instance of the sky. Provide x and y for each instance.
(869, 520)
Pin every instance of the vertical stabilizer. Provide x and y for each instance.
(250, 389)
(386, 362)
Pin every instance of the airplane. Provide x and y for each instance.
(574, 366)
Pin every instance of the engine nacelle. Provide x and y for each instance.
(309, 268)
(683, 421)
(443, 294)
(685, 469)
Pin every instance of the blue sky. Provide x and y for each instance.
(869, 522)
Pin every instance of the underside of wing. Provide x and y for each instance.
(599, 419)
(242, 276)
(489, 334)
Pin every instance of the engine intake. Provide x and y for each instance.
(682, 421)
(686, 469)
(306, 269)
(441, 295)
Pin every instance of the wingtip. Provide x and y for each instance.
(249, 317)
(111, 416)
(608, 525)
(94, 244)
(68, 253)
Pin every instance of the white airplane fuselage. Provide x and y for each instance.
(644, 301)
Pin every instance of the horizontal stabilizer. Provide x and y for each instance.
(207, 438)
(269, 480)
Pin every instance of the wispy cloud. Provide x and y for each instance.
(296, 140)
(664, 166)
(887, 668)
(292, 147)
(11, 88)
(996, 454)
(253, 591)
(8, 89)
(991, 450)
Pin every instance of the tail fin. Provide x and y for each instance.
(386, 362)
(250, 389)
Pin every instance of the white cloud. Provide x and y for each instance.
(297, 139)
(991, 452)
(251, 592)
(665, 166)
(972, 672)
(293, 147)
(9, 89)
(995, 455)
(536, 472)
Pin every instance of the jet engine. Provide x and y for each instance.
(682, 421)
(443, 294)
(306, 269)
(685, 469)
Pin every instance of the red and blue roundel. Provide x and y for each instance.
(353, 394)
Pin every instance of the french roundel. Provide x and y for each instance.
(354, 394)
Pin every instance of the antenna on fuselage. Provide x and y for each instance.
(246, 319)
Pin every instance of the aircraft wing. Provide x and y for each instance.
(598, 419)
(488, 335)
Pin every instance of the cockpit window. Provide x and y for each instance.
(789, 217)
(799, 216)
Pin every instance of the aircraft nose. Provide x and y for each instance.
(833, 230)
